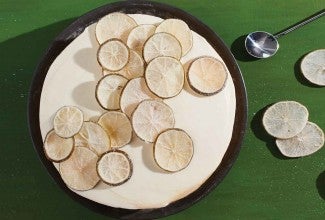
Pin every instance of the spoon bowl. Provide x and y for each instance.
(261, 44)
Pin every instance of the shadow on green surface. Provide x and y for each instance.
(320, 184)
(259, 131)
(300, 77)
(239, 51)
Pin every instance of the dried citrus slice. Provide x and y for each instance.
(285, 119)
(118, 127)
(161, 44)
(134, 68)
(313, 67)
(114, 25)
(68, 121)
(93, 136)
(207, 76)
(108, 91)
(173, 150)
(135, 91)
(114, 167)
(165, 76)
(139, 35)
(307, 142)
(56, 148)
(113, 55)
(79, 171)
(180, 30)
(150, 118)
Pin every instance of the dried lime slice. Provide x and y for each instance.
(108, 91)
(313, 67)
(114, 167)
(79, 171)
(139, 35)
(285, 119)
(135, 91)
(134, 68)
(93, 136)
(207, 76)
(165, 76)
(56, 148)
(180, 30)
(118, 127)
(173, 150)
(113, 55)
(307, 142)
(150, 118)
(162, 44)
(114, 25)
(68, 121)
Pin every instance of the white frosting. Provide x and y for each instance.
(71, 80)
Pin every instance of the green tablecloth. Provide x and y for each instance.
(262, 183)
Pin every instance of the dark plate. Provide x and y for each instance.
(163, 11)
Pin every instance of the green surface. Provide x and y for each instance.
(261, 185)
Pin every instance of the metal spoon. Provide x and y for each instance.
(261, 44)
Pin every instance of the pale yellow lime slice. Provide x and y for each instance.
(285, 119)
(108, 91)
(135, 91)
(150, 118)
(165, 76)
(173, 150)
(113, 55)
(114, 168)
(56, 148)
(68, 121)
(114, 25)
(313, 67)
(207, 76)
(162, 44)
(180, 30)
(134, 68)
(307, 142)
(79, 171)
(139, 35)
(93, 136)
(118, 127)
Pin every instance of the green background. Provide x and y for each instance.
(261, 185)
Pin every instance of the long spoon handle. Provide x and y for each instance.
(300, 23)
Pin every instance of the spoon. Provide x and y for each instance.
(261, 44)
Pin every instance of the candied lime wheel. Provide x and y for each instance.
(113, 55)
(93, 136)
(173, 150)
(56, 148)
(285, 119)
(207, 76)
(162, 44)
(79, 171)
(68, 121)
(114, 167)
(313, 67)
(114, 25)
(307, 142)
(165, 76)
(118, 127)
(180, 30)
(150, 118)
(108, 91)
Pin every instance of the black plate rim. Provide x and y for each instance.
(164, 11)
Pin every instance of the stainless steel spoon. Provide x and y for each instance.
(261, 44)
